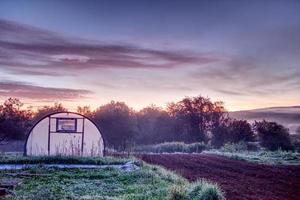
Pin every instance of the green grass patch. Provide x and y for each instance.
(10, 159)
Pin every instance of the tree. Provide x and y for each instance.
(273, 136)
(220, 135)
(14, 122)
(197, 116)
(154, 126)
(86, 111)
(233, 131)
(45, 110)
(118, 124)
(165, 129)
(146, 124)
(240, 130)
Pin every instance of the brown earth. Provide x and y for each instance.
(238, 179)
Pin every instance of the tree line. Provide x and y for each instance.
(193, 119)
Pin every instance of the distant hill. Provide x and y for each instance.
(287, 116)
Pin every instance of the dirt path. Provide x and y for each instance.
(239, 179)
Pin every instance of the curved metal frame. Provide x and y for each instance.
(48, 115)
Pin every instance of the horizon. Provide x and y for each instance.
(77, 53)
(164, 107)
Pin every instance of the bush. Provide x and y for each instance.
(197, 147)
(232, 147)
(203, 190)
(172, 147)
(295, 139)
(253, 146)
(296, 145)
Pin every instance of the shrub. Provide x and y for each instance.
(295, 139)
(200, 190)
(172, 147)
(203, 190)
(197, 147)
(253, 146)
(232, 147)
(296, 145)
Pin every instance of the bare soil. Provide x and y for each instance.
(238, 179)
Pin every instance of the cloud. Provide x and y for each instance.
(229, 92)
(276, 43)
(265, 63)
(29, 50)
(33, 92)
(242, 76)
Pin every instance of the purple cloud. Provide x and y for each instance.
(29, 50)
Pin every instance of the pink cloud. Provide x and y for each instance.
(25, 90)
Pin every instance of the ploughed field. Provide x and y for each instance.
(238, 179)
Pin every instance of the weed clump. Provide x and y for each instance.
(178, 193)
(203, 190)
(200, 190)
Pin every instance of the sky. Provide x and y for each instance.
(245, 53)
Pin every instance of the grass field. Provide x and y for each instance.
(148, 182)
